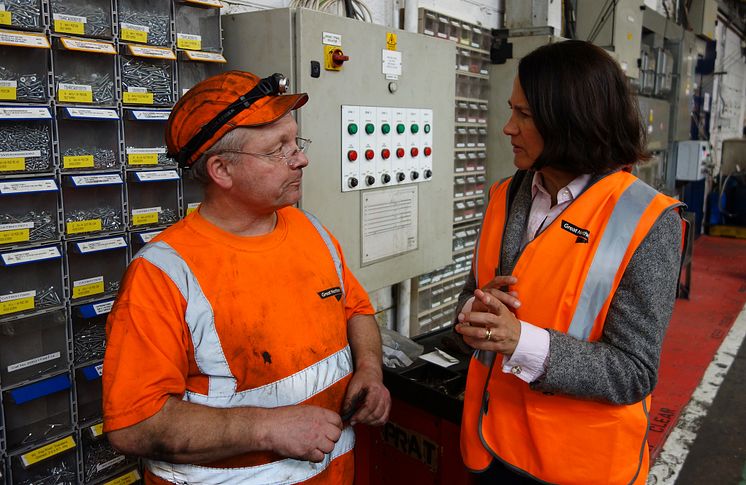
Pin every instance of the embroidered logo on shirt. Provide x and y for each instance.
(582, 234)
(336, 292)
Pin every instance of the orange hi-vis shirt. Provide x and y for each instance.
(278, 311)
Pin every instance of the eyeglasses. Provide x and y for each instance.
(281, 154)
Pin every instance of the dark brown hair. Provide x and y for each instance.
(582, 107)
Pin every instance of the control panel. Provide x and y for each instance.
(383, 147)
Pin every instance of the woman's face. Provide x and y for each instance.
(525, 138)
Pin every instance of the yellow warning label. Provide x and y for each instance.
(88, 290)
(8, 93)
(69, 27)
(19, 305)
(16, 235)
(75, 96)
(47, 451)
(142, 158)
(137, 98)
(391, 41)
(12, 164)
(127, 479)
(78, 227)
(77, 161)
(146, 218)
(5, 18)
(134, 35)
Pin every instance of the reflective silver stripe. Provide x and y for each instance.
(619, 230)
(283, 472)
(208, 353)
(291, 390)
(330, 246)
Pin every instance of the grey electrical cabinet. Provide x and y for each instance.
(382, 121)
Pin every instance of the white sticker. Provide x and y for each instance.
(8, 84)
(155, 52)
(631, 19)
(103, 308)
(188, 37)
(99, 369)
(82, 180)
(17, 296)
(327, 38)
(35, 361)
(69, 18)
(205, 56)
(193, 205)
(25, 113)
(139, 28)
(391, 63)
(88, 281)
(22, 154)
(136, 89)
(16, 226)
(132, 150)
(110, 463)
(160, 175)
(146, 210)
(151, 115)
(2, 7)
(24, 40)
(148, 236)
(74, 87)
(25, 186)
(17, 257)
(101, 245)
(108, 114)
(89, 46)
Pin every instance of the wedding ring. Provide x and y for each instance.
(489, 334)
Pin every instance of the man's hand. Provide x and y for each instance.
(367, 392)
(496, 329)
(303, 432)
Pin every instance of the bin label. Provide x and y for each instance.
(154, 52)
(70, 24)
(148, 236)
(77, 161)
(142, 158)
(15, 164)
(148, 215)
(88, 287)
(30, 255)
(47, 451)
(157, 176)
(205, 56)
(8, 236)
(79, 227)
(150, 116)
(17, 302)
(131, 96)
(24, 39)
(8, 90)
(103, 308)
(110, 463)
(107, 179)
(103, 114)
(75, 93)
(209, 3)
(5, 17)
(191, 207)
(97, 430)
(126, 479)
(134, 32)
(23, 113)
(26, 186)
(34, 361)
(188, 41)
(97, 47)
(101, 245)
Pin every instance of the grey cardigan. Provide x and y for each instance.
(622, 367)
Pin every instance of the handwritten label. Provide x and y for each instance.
(88, 287)
(47, 451)
(77, 161)
(80, 227)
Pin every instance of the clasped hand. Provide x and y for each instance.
(490, 324)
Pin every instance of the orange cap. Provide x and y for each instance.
(210, 97)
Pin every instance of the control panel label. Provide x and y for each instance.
(328, 38)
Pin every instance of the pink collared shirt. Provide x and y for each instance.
(528, 361)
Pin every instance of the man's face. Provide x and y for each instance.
(266, 184)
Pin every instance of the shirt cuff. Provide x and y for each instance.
(528, 360)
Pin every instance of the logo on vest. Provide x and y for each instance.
(336, 292)
(582, 234)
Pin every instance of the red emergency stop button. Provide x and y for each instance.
(385, 153)
(414, 151)
(352, 155)
(428, 151)
(399, 153)
(369, 154)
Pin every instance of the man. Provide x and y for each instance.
(232, 343)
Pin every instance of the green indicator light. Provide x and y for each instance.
(369, 128)
(415, 128)
(426, 128)
(400, 128)
(385, 128)
(352, 128)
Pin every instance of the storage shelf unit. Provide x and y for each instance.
(84, 183)
(435, 294)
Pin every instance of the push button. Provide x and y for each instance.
(426, 128)
(385, 153)
(369, 154)
(369, 128)
(352, 128)
(352, 183)
(370, 180)
(428, 173)
(352, 155)
(385, 128)
(415, 128)
(399, 153)
(414, 152)
(385, 178)
(400, 177)
(400, 128)
(428, 151)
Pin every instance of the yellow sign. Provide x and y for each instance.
(97, 430)
(18, 305)
(77, 161)
(12, 164)
(88, 290)
(138, 98)
(5, 18)
(134, 35)
(146, 218)
(75, 96)
(8, 93)
(78, 227)
(391, 41)
(47, 451)
(142, 158)
(16, 235)
(127, 479)
(190, 42)
(69, 27)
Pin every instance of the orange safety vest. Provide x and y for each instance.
(571, 271)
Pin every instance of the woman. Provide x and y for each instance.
(578, 263)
